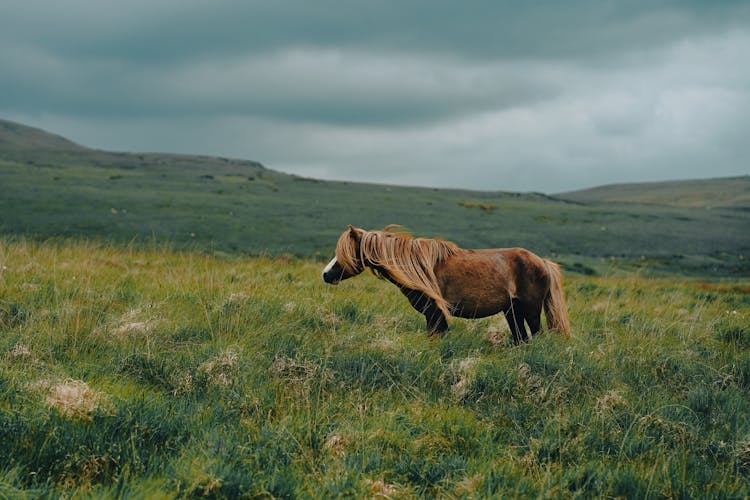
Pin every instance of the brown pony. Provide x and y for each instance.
(442, 280)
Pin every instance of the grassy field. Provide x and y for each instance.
(131, 371)
(53, 188)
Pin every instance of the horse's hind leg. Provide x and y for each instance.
(533, 317)
(515, 317)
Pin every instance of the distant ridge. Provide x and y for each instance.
(26, 144)
(725, 192)
(14, 136)
(33, 146)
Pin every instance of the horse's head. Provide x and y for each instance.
(347, 262)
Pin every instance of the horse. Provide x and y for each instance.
(442, 280)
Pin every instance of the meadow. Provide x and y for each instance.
(54, 188)
(145, 370)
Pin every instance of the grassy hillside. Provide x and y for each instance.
(52, 187)
(149, 373)
(731, 192)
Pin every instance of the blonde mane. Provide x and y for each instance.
(408, 261)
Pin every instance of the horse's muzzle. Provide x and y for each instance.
(331, 278)
(333, 272)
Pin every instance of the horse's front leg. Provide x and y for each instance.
(436, 322)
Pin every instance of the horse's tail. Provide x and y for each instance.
(554, 303)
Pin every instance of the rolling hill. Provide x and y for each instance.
(15, 137)
(55, 188)
(35, 147)
(727, 192)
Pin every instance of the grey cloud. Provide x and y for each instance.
(329, 86)
(359, 88)
(179, 30)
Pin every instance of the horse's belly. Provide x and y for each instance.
(471, 309)
(471, 313)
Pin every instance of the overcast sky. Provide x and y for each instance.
(498, 95)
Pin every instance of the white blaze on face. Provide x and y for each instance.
(329, 267)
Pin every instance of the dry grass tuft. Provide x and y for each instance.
(329, 318)
(608, 402)
(222, 369)
(466, 488)
(74, 398)
(497, 336)
(20, 353)
(384, 344)
(294, 370)
(134, 324)
(134, 328)
(539, 389)
(336, 444)
(235, 299)
(465, 370)
(380, 489)
(183, 384)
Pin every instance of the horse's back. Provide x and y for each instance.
(515, 261)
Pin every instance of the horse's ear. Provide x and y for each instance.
(353, 233)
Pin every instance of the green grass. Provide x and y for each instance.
(128, 372)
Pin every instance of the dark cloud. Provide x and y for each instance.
(491, 29)
(498, 94)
